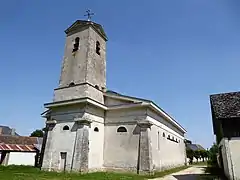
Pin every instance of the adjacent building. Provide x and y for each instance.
(226, 125)
(18, 150)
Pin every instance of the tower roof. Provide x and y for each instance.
(82, 23)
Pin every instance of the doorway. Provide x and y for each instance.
(63, 161)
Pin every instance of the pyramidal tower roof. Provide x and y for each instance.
(80, 24)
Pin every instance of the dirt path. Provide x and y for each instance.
(192, 173)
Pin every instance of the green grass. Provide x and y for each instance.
(31, 173)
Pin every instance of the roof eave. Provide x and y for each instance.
(158, 109)
(75, 101)
(92, 24)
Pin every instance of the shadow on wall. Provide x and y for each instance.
(136, 130)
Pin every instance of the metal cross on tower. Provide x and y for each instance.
(89, 14)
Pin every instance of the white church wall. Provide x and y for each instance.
(125, 115)
(96, 138)
(62, 140)
(166, 153)
(121, 148)
(22, 158)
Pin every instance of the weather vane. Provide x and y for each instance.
(89, 14)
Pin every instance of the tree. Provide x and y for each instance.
(203, 154)
(190, 155)
(38, 133)
(213, 152)
(196, 154)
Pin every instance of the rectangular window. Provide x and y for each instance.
(158, 143)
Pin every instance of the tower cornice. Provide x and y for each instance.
(79, 24)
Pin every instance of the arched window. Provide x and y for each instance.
(65, 128)
(76, 44)
(98, 48)
(163, 134)
(168, 136)
(96, 129)
(97, 87)
(72, 84)
(121, 129)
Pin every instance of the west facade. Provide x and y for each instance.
(90, 128)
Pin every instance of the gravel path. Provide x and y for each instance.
(192, 173)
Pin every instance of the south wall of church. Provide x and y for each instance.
(168, 147)
(121, 148)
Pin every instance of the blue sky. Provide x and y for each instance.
(174, 52)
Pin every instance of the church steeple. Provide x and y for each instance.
(84, 59)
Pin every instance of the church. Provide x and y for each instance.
(91, 128)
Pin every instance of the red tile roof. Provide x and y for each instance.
(15, 147)
(21, 140)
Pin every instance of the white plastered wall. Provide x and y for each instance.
(121, 148)
(166, 153)
(231, 157)
(96, 139)
(22, 158)
(62, 141)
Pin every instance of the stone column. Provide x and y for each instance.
(81, 149)
(47, 146)
(145, 164)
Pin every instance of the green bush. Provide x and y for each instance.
(212, 154)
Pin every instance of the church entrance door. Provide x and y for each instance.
(63, 161)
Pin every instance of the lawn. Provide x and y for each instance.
(31, 173)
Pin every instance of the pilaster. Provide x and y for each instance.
(81, 149)
(47, 156)
(145, 164)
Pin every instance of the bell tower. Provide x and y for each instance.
(83, 72)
